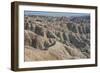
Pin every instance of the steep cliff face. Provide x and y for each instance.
(56, 38)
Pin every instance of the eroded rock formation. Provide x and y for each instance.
(56, 38)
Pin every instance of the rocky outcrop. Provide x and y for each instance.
(39, 30)
(56, 52)
(56, 38)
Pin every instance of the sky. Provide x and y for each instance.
(46, 13)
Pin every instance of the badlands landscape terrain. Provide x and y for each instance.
(56, 37)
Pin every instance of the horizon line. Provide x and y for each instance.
(47, 13)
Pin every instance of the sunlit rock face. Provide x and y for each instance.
(56, 38)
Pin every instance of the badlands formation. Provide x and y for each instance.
(56, 38)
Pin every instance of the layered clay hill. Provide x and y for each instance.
(56, 38)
